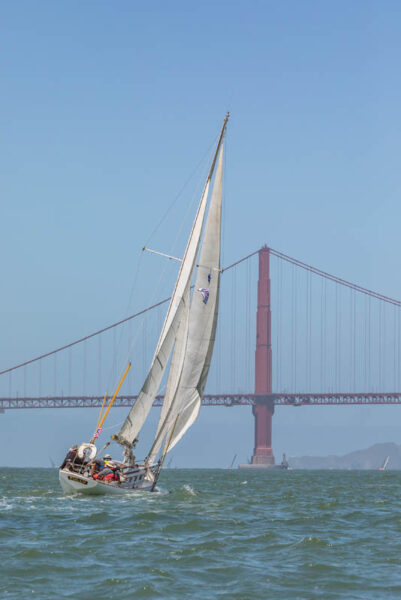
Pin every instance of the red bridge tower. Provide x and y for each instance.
(263, 408)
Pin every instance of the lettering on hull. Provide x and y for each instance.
(72, 478)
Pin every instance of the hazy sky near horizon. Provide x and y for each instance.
(105, 111)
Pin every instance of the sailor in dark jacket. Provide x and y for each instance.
(71, 457)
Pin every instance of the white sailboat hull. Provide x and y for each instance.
(76, 483)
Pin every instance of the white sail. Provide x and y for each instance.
(195, 341)
(178, 310)
(177, 362)
(138, 413)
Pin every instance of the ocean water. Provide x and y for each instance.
(207, 534)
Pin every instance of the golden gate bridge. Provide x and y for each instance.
(333, 343)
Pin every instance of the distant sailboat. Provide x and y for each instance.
(188, 334)
(384, 465)
(233, 461)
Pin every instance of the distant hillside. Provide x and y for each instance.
(370, 458)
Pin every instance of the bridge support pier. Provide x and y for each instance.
(263, 412)
(263, 409)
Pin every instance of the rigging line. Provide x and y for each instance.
(178, 195)
(181, 191)
(163, 271)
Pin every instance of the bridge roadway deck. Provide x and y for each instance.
(228, 400)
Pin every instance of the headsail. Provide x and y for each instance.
(178, 308)
(195, 341)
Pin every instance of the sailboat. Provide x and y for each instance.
(383, 467)
(187, 337)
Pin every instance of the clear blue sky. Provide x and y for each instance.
(105, 110)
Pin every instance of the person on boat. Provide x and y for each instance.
(109, 473)
(106, 459)
(70, 458)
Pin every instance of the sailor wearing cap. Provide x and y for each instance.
(70, 456)
(107, 459)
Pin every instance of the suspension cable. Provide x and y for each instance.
(277, 253)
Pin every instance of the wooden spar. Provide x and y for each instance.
(101, 410)
(115, 394)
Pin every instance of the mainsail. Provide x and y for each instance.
(176, 322)
(196, 335)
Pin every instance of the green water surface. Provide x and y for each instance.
(207, 534)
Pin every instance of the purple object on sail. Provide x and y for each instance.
(205, 294)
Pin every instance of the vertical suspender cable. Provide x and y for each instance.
(233, 331)
(351, 339)
(99, 366)
(55, 374)
(84, 370)
(321, 336)
(69, 372)
(385, 384)
(339, 382)
(355, 369)
(295, 299)
(292, 328)
(335, 378)
(380, 345)
(365, 353)
(394, 329)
